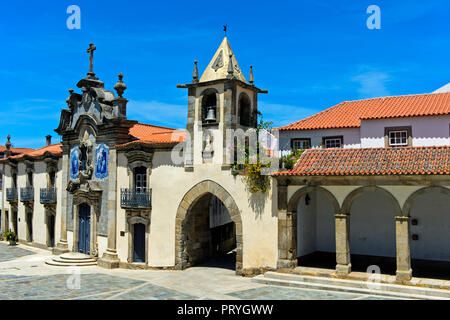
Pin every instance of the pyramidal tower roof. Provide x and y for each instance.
(218, 68)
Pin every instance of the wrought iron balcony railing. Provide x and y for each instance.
(134, 199)
(48, 195)
(11, 194)
(27, 194)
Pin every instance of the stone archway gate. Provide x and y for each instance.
(188, 201)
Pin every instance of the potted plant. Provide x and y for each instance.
(11, 237)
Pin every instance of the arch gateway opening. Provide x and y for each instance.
(210, 234)
(208, 229)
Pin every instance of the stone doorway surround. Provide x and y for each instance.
(93, 199)
(186, 204)
(50, 211)
(134, 217)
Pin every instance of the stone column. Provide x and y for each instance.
(62, 245)
(110, 258)
(403, 234)
(342, 225)
(287, 235)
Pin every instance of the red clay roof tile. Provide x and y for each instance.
(372, 161)
(349, 114)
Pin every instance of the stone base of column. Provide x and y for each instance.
(110, 260)
(343, 269)
(61, 247)
(404, 276)
(286, 264)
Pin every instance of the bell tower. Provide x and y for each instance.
(220, 102)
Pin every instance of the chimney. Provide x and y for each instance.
(48, 140)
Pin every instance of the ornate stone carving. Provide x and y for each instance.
(219, 62)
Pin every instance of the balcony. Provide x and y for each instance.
(11, 194)
(26, 194)
(135, 200)
(48, 195)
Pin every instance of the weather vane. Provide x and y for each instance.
(225, 29)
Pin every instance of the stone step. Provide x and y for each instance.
(72, 259)
(80, 261)
(351, 286)
(74, 264)
(75, 256)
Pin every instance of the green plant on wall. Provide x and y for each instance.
(291, 159)
(256, 181)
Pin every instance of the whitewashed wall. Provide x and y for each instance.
(351, 137)
(315, 225)
(432, 211)
(426, 131)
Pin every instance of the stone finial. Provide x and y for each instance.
(8, 145)
(120, 87)
(250, 77)
(230, 68)
(195, 74)
(8, 142)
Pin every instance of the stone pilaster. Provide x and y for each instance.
(342, 224)
(403, 234)
(287, 235)
(62, 246)
(110, 258)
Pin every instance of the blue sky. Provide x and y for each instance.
(309, 54)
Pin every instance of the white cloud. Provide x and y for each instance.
(372, 83)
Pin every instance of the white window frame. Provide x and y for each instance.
(398, 140)
(330, 143)
(302, 142)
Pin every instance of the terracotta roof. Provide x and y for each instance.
(372, 161)
(54, 149)
(349, 114)
(154, 135)
(16, 150)
(146, 131)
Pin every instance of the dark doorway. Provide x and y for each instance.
(210, 234)
(29, 219)
(139, 243)
(51, 230)
(84, 228)
(14, 222)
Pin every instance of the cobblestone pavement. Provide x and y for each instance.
(24, 276)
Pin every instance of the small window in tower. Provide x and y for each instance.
(209, 108)
(245, 111)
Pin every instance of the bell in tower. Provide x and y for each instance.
(220, 102)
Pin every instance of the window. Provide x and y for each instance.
(333, 142)
(52, 176)
(300, 144)
(30, 178)
(398, 136)
(1, 181)
(140, 179)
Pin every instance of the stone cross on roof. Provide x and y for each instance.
(91, 50)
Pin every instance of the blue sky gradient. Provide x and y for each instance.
(309, 54)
